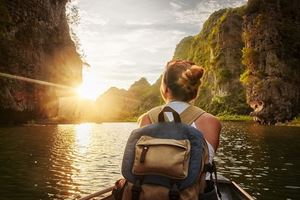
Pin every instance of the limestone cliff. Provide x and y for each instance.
(251, 54)
(218, 49)
(35, 43)
(272, 55)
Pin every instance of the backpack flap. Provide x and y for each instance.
(164, 157)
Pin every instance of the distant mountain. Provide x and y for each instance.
(120, 104)
(139, 86)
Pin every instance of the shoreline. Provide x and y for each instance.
(224, 118)
(235, 118)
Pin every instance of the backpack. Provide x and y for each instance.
(165, 160)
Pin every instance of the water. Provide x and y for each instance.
(70, 161)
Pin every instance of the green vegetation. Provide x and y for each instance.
(218, 49)
(295, 122)
(245, 76)
(250, 57)
(235, 118)
(183, 48)
(224, 75)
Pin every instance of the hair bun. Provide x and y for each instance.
(197, 71)
(187, 74)
(193, 74)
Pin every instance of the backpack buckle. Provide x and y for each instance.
(210, 168)
(174, 192)
(136, 190)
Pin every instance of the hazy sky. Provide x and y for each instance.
(125, 40)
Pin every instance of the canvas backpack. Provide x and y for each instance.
(165, 160)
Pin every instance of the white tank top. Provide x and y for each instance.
(179, 107)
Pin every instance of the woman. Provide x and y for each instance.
(179, 87)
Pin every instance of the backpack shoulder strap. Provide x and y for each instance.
(190, 114)
(153, 114)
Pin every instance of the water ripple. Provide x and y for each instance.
(70, 161)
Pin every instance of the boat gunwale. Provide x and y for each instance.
(242, 191)
(221, 180)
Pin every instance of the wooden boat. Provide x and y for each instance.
(229, 191)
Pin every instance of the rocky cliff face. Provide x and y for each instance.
(252, 50)
(272, 55)
(35, 43)
(218, 48)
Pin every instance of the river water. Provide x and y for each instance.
(70, 161)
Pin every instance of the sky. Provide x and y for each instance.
(124, 40)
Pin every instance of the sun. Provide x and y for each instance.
(87, 91)
(90, 88)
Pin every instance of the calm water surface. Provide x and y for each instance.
(70, 161)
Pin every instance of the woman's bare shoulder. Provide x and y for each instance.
(144, 120)
(211, 127)
(210, 119)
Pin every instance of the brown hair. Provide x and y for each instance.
(183, 79)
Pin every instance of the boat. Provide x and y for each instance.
(229, 191)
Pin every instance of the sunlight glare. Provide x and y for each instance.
(83, 134)
(90, 87)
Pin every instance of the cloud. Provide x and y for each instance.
(92, 19)
(175, 6)
(128, 39)
(138, 23)
(202, 10)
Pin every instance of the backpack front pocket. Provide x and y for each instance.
(165, 157)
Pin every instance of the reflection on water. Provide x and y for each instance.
(70, 161)
(83, 136)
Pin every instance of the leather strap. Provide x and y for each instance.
(188, 116)
(161, 115)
